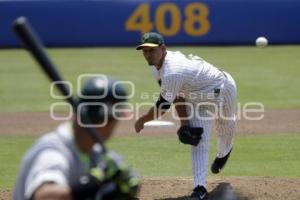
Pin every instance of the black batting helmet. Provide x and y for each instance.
(98, 96)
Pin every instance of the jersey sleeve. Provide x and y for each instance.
(171, 86)
(49, 166)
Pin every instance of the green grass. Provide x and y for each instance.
(268, 75)
(12, 149)
(259, 155)
(262, 74)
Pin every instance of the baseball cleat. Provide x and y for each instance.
(219, 163)
(199, 193)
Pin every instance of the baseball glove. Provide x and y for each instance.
(111, 179)
(190, 135)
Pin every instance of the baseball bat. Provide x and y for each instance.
(33, 44)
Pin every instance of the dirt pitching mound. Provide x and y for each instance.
(239, 188)
(244, 188)
(5, 194)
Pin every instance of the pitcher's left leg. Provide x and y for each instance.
(225, 125)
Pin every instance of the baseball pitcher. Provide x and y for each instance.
(202, 94)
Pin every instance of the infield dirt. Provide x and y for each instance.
(36, 123)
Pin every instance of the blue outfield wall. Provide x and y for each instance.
(182, 22)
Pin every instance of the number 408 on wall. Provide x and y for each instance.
(194, 21)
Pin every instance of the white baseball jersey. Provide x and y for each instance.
(53, 158)
(190, 76)
(198, 82)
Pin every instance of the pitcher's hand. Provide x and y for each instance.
(139, 125)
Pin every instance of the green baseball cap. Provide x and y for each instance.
(151, 39)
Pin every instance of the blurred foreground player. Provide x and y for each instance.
(66, 164)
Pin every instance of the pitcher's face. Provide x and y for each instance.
(154, 55)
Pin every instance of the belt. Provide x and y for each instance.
(217, 92)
